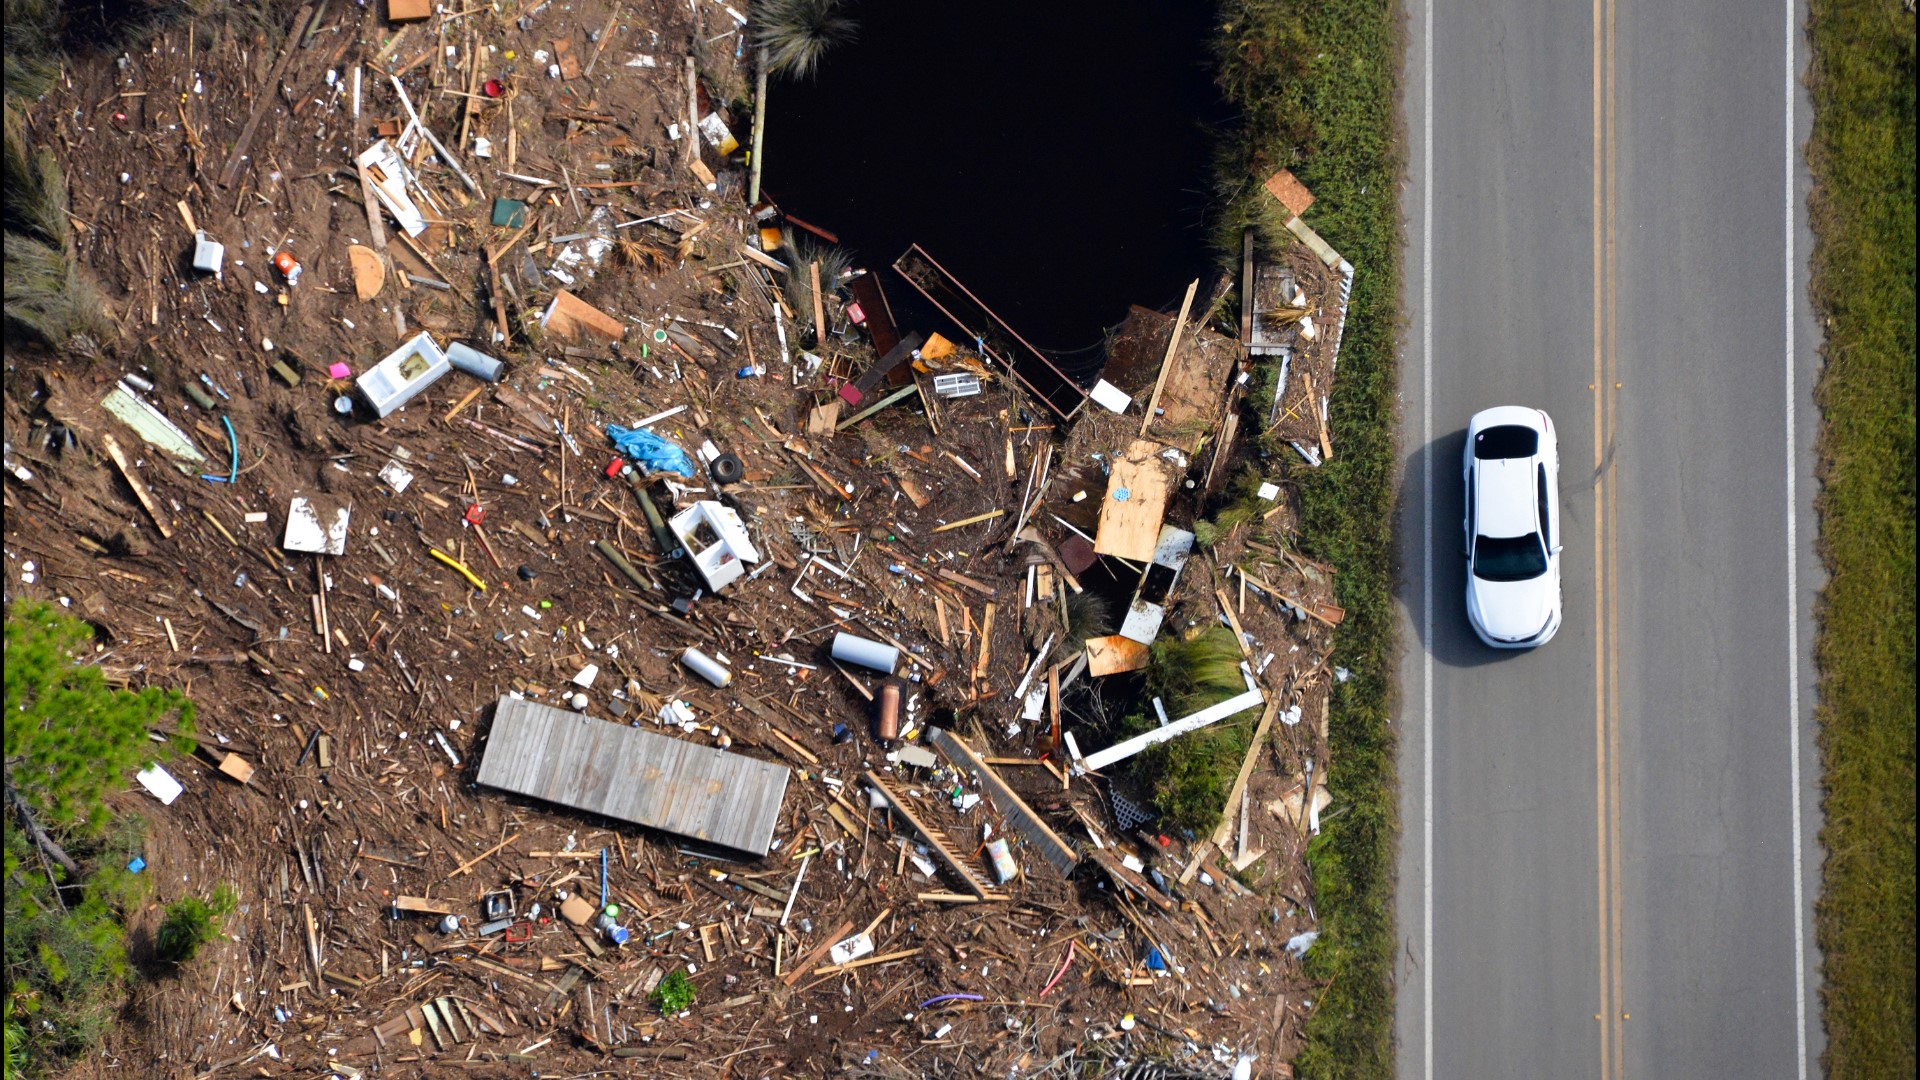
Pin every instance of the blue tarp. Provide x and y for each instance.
(649, 451)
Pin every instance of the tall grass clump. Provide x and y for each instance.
(1314, 83)
(797, 33)
(1862, 157)
(1191, 775)
(801, 254)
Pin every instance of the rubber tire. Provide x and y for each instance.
(727, 469)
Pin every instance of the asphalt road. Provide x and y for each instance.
(1609, 856)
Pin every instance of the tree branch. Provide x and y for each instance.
(38, 835)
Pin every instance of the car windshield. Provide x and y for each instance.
(1506, 441)
(1509, 558)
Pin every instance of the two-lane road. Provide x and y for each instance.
(1609, 857)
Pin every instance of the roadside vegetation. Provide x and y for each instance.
(1862, 155)
(1314, 84)
(72, 740)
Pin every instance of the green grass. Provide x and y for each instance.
(1190, 776)
(190, 923)
(1315, 80)
(1862, 155)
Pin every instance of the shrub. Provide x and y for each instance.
(190, 923)
(674, 993)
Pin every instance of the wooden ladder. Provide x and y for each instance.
(934, 840)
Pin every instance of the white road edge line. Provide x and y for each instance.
(1793, 573)
(1427, 538)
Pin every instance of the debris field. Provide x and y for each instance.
(585, 599)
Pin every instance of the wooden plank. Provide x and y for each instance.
(1166, 362)
(814, 954)
(1011, 806)
(1113, 653)
(139, 487)
(269, 97)
(1130, 527)
(1225, 828)
(1121, 751)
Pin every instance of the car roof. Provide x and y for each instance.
(1505, 503)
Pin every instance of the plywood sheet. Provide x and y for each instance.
(1135, 501)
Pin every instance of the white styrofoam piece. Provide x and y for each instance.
(1110, 397)
(1142, 623)
(392, 191)
(396, 476)
(403, 374)
(720, 562)
(160, 784)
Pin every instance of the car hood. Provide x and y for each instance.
(1512, 610)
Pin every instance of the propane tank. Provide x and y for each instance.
(886, 712)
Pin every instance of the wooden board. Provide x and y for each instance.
(1289, 192)
(570, 317)
(1130, 526)
(634, 775)
(1113, 654)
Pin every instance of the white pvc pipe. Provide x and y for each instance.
(868, 654)
(706, 667)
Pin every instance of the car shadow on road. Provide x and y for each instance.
(1452, 641)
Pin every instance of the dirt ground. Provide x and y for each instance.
(359, 687)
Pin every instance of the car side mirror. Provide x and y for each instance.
(1557, 548)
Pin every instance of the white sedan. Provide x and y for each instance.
(1512, 465)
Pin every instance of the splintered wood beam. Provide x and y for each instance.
(1011, 806)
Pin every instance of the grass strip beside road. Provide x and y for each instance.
(1315, 82)
(1862, 155)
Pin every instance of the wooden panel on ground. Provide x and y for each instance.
(1113, 654)
(1135, 502)
(634, 775)
(1011, 806)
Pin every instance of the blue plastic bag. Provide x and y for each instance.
(649, 451)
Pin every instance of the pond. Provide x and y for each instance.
(1054, 157)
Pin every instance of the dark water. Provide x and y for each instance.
(1054, 157)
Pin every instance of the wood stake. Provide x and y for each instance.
(974, 520)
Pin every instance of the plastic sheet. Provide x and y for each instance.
(650, 451)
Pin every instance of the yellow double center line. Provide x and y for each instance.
(1613, 1014)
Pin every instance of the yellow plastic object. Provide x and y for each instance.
(458, 565)
(769, 238)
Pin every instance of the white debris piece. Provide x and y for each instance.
(160, 784)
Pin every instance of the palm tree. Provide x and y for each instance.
(792, 35)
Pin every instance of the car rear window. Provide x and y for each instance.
(1509, 558)
(1506, 441)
